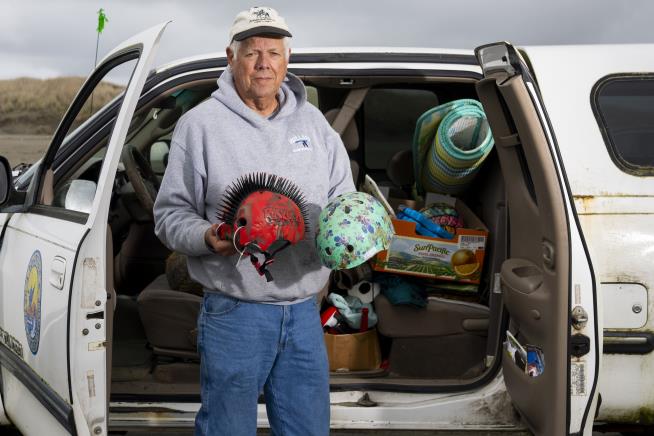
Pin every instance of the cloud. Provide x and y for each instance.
(46, 39)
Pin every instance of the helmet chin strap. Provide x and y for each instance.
(252, 249)
(269, 256)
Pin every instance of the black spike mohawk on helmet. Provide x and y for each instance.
(253, 182)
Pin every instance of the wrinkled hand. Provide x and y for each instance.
(219, 246)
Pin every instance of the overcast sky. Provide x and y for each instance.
(49, 38)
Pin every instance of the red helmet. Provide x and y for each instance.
(263, 214)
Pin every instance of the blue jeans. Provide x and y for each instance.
(247, 348)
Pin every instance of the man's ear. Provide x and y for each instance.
(230, 55)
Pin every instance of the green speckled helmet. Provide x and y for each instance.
(352, 228)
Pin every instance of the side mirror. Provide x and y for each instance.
(80, 195)
(6, 181)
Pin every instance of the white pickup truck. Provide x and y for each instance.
(93, 337)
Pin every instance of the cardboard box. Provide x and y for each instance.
(353, 352)
(459, 259)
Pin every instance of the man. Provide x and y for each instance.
(254, 336)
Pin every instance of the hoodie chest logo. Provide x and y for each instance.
(300, 143)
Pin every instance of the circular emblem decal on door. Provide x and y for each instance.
(32, 302)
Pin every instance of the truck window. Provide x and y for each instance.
(624, 108)
(75, 189)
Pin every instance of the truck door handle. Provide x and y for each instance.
(521, 275)
(58, 272)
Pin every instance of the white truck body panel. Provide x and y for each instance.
(615, 207)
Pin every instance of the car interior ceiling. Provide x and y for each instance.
(437, 357)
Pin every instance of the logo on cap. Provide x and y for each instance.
(261, 15)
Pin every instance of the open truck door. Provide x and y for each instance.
(56, 298)
(552, 354)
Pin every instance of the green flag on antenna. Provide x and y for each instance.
(102, 19)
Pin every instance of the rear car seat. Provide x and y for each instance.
(445, 339)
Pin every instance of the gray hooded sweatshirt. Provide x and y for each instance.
(221, 140)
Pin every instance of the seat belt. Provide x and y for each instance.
(495, 298)
(495, 306)
(350, 106)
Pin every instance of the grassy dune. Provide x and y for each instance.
(35, 107)
(31, 109)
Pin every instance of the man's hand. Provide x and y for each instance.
(219, 246)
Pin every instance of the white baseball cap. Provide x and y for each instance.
(259, 20)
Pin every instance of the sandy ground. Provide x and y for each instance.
(23, 148)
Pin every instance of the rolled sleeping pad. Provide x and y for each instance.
(450, 143)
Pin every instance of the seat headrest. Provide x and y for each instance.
(350, 135)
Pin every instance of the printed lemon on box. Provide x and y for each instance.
(464, 263)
